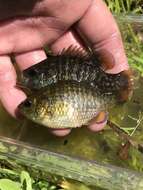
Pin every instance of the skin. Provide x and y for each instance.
(26, 26)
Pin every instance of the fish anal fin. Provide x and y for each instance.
(99, 118)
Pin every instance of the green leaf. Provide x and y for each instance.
(7, 184)
(26, 180)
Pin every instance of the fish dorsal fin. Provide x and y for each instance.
(74, 51)
(101, 58)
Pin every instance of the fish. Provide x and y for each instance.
(69, 90)
(64, 104)
(71, 64)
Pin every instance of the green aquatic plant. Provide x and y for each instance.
(14, 180)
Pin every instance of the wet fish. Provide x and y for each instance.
(73, 65)
(64, 104)
(71, 89)
(58, 68)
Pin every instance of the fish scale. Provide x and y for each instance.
(65, 68)
(68, 91)
(66, 104)
(69, 68)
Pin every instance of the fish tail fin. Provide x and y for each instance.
(126, 86)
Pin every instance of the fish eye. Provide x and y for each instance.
(27, 103)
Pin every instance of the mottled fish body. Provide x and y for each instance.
(64, 104)
(69, 90)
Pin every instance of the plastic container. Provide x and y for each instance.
(78, 156)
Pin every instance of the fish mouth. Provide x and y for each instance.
(23, 107)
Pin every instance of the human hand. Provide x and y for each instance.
(27, 26)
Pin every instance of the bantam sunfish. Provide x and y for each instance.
(69, 90)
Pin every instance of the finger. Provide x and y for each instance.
(60, 9)
(100, 29)
(60, 132)
(69, 38)
(34, 31)
(99, 123)
(25, 60)
(97, 126)
(9, 95)
(28, 34)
